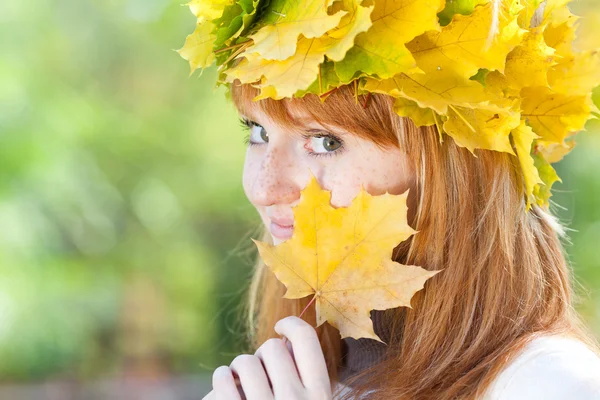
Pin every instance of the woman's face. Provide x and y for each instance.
(279, 162)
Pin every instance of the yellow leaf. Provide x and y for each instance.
(554, 152)
(343, 258)
(420, 116)
(434, 90)
(560, 32)
(548, 176)
(198, 46)
(357, 20)
(482, 128)
(553, 115)
(587, 34)
(381, 51)
(284, 21)
(463, 47)
(528, 64)
(523, 137)
(279, 79)
(576, 75)
(206, 10)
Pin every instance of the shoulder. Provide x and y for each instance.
(550, 368)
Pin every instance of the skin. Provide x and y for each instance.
(278, 165)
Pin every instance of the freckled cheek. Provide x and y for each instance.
(344, 187)
(251, 170)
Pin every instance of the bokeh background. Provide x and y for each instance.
(124, 231)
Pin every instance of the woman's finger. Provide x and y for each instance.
(224, 384)
(253, 377)
(307, 352)
(210, 396)
(280, 368)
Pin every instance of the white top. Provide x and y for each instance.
(549, 368)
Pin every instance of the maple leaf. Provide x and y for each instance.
(560, 31)
(528, 63)
(576, 75)
(198, 46)
(381, 51)
(553, 115)
(464, 7)
(548, 176)
(236, 18)
(420, 116)
(435, 90)
(342, 257)
(463, 46)
(283, 78)
(284, 21)
(523, 137)
(483, 128)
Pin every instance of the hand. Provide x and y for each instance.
(275, 373)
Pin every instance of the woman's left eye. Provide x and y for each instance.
(324, 144)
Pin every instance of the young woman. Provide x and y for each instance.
(497, 324)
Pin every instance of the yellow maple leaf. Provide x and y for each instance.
(523, 137)
(463, 46)
(435, 90)
(554, 152)
(381, 51)
(282, 78)
(553, 115)
(420, 116)
(284, 21)
(342, 257)
(560, 31)
(578, 74)
(528, 63)
(484, 128)
(198, 46)
(208, 9)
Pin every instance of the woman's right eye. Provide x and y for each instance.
(257, 133)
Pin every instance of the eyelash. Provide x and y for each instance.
(247, 125)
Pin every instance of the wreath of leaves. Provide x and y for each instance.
(500, 75)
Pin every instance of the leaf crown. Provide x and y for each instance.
(502, 75)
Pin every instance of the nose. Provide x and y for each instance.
(278, 179)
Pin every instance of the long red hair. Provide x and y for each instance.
(506, 279)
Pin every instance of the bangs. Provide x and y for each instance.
(370, 117)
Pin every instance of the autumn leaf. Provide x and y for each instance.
(420, 116)
(285, 21)
(436, 90)
(463, 7)
(463, 48)
(482, 128)
(198, 46)
(523, 137)
(381, 51)
(548, 176)
(576, 75)
(279, 79)
(528, 63)
(342, 257)
(553, 115)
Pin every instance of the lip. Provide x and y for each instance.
(283, 232)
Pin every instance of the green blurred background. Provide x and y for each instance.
(124, 240)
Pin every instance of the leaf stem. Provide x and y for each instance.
(308, 305)
(231, 47)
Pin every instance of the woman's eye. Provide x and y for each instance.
(258, 134)
(324, 144)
